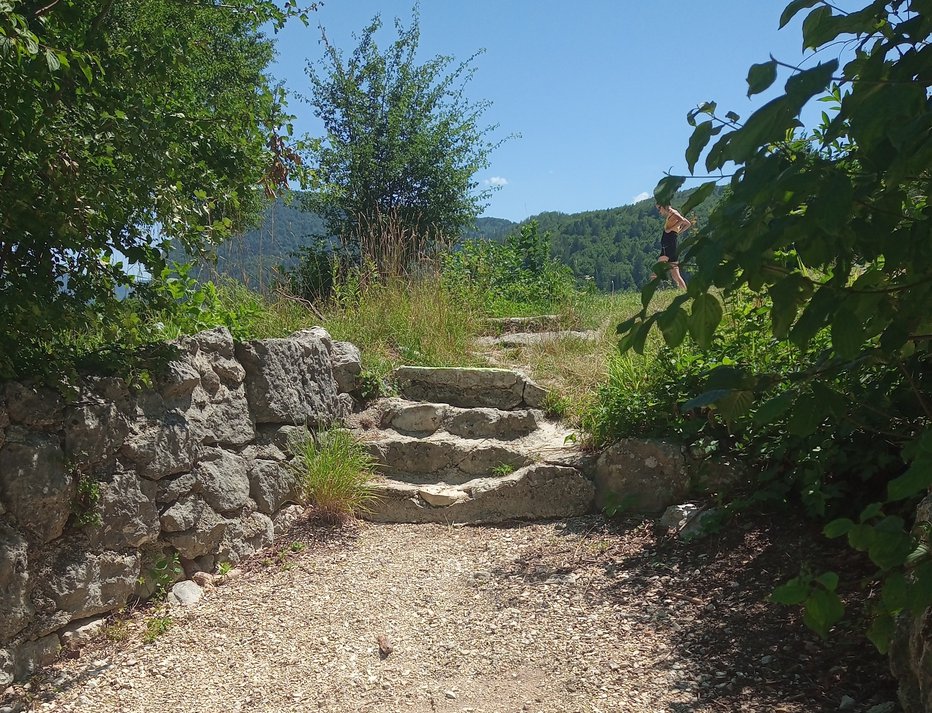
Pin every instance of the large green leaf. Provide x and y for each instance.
(668, 185)
(918, 477)
(794, 7)
(698, 141)
(705, 317)
(673, 325)
(761, 76)
(698, 196)
(823, 610)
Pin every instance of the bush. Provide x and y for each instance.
(511, 278)
(335, 470)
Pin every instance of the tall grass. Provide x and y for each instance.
(334, 471)
(399, 320)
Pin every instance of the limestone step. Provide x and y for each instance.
(537, 491)
(422, 419)
(469, 387)
(445, 458)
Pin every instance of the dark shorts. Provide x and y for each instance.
(668, 246)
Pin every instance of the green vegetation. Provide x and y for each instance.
(516, 277)
(335, 471)
(156, 626)
(827, 235)
(119, 117)
(402, 146)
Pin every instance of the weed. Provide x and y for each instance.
(556, 406)
(165, 572)
(156, 626)
(224, 568)
(117, 631)
(297, 546)
(335, 470)
(84, 506)
(503, 469)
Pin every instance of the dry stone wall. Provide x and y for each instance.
(196, 466)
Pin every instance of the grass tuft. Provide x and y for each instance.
(335, 470)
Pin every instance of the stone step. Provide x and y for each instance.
(445, 458)
(469, 387)
(421, 419)
(535, 492)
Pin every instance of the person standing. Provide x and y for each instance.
(673, 225)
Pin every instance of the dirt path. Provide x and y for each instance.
(580, 615)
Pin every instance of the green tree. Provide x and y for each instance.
(402, 147)
(118, 117)
(832, 227)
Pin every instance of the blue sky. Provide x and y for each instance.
(598, 89)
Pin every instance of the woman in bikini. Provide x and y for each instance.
(673, 225)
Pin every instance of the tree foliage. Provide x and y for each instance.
(119, 118)
(402, 144)
(832, 227)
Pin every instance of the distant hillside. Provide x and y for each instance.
(615, 248)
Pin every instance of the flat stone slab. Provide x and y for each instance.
(536, 492)
(423, 419)
(469, 387)
(527, 339)
(525, 324)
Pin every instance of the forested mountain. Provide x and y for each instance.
(615, 248)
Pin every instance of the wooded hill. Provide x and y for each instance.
(614, 248)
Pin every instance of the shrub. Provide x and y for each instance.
(511, 278)
(335, 470)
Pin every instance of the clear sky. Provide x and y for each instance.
(597, 89)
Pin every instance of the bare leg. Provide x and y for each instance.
(677, 277)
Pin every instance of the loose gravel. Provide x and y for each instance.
(581, 615)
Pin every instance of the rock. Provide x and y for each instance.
(439, 497)
(493, 423)
(286, 518)
(536, 492)
(534, 396)
(205, 580)
(910, 651)
(271, 484)
(7, 670)
(847, 703)
(83, 583)
(127, 510)
(34, 484)
(16, 609)
(94, 431)
(417, 418)
(675, 517)
(178, 380)
(222, 480)
(185, 594)
(463, 387)
(246, 536)
(30, 656)
(172, 489)
(636, 475)
(289, 381)
(346, 362)
(275, 442)
(162, 448)
(78, 633)
(192, 527)
(33, 407)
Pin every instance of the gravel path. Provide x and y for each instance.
(566, 616)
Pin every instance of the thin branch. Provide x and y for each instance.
(919, 397)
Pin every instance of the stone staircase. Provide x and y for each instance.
(462, 445)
